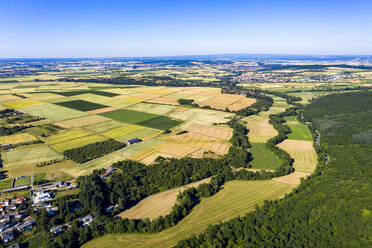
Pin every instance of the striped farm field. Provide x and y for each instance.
(17, 138)
(303, 152)
(197, 140)
(153, 108)
(159, 204)
(218, 132)
(82, 121)
(77, 142)
(67, 135)
(236, 198)
(104, 126)
(243, 103)
(144, 134)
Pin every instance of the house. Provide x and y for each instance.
(111, 208)
(133, 141)
(42, 197)
(7, 236)
(108, 172)
(20, 200)
(57, 229)
(87, 220)
(24, 227)
(57, 185)
(7, 202)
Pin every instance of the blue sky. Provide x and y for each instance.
(65, 28)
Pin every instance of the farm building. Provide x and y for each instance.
(133, 141)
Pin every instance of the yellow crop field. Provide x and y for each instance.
(305, 158)
(123, 130)
(159, 204)
(23, 104)
(17, 138)
(67, 135)
(82, 121)
(77, 142)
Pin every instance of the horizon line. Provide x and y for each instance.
(194, 55)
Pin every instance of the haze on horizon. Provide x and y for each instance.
(42, 28)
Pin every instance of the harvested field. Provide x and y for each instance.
(17, 138)
(201, 116)
(31, 154)
(159, 204)
(199, 141)
(164, 100)
(153, 108)
(177, 150)
(260, 130)
(243, 103)
(305, 158)
(236, 198)
(4, 98)
(144, 134)
(220, 101)
(218, 132)
(102, 110)
(82, 121)
(104, 126)
(293, 178)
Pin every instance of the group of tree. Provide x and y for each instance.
(88, 152)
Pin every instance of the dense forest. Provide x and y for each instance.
(332, 208)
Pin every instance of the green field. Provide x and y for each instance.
(29, 155)
(263, 158)
(81, 105)
(128, 116)
(236, 198)
(161, 122)
(6, 184)
(53, 112)
(22, 181)
(299, 130)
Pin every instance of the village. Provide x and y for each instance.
(16, 214)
